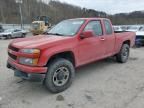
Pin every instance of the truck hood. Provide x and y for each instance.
(38, 41)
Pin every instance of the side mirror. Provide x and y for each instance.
(86, 34)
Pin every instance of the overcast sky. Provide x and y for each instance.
(109, 6)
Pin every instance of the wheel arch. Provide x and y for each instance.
(127, 42)
(69, 55)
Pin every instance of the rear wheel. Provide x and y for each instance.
(60, 75)
(123, 55)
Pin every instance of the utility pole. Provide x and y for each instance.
(19, 2)
(2, 15)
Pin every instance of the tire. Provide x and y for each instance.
(60, 75)
(23, 35)
(9, 37)
(123, 55)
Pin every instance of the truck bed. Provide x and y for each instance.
(124, 35)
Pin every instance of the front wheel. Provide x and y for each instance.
(123, 55)
(9, 37)
(60, 75)
(23, 35)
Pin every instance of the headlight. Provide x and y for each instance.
(28, 61)
(30, 51)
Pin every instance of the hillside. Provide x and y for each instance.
(136, 17)
(9, 12)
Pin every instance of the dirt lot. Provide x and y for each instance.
(105, 84)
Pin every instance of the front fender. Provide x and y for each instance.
(47, 54)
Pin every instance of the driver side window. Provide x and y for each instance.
(94, 26)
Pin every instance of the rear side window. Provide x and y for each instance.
(95, 26)
(108, 27)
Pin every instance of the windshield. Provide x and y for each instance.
(67, 27)
(35, 25)
(142, 29)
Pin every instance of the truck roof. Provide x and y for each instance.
(93, 18)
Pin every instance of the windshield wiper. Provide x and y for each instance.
(58, 34)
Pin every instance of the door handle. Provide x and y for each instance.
(102, 39)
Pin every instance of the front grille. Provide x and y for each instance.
(12, 56)
(13, 48)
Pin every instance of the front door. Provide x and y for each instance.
(93, 48)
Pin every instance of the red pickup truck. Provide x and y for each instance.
(68, 45)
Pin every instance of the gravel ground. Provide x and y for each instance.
(104, 84)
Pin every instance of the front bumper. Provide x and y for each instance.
(29, 76)
(27, 69)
